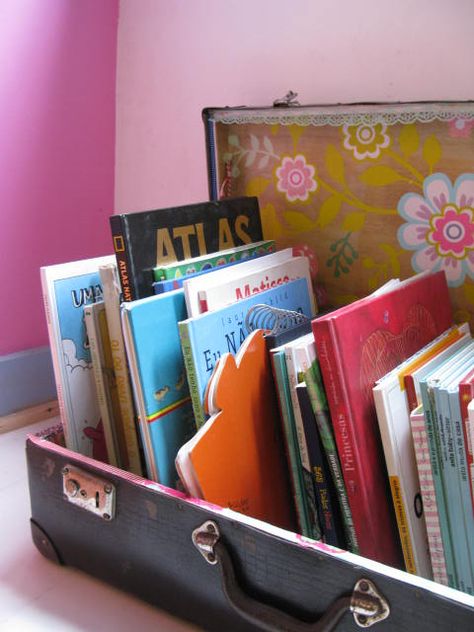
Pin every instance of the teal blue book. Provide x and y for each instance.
(433, 430)
(305, 503)
(158, 377)
(449, 474)
(206, 337)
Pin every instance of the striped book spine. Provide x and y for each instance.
(428, 494)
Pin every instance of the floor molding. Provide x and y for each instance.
(29, 416)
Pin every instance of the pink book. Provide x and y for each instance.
(428, 495)
(357, 345)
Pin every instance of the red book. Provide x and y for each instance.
(466, 394)
(357, 345)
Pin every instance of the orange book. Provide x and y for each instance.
(236, 459)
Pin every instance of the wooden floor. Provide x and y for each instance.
(36, 595)
(29, 416)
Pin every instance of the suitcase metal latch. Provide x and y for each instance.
(89, 492)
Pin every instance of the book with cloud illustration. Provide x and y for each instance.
(160, 389)
(67, 289)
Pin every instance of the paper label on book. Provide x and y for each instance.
(402, 525)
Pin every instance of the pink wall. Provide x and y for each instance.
(176, 57)
(57, 129)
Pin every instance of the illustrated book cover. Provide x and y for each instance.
(145, 240)
(67, 288)
(230, 290)
(206, 337)
(390, 327)
(236, 459)
(158, 377)
(195, 286)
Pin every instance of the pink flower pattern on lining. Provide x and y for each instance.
(296, 178)
(440, 226)
(460, 127)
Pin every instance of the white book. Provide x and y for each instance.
(394, 422)
(227, 291)
(67, 288)
(201, 283)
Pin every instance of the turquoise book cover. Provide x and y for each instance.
(206, 337)
(159, 382)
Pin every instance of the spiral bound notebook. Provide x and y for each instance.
(281, 325)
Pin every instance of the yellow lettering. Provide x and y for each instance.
(201, 239)
(164, 247)
(183, 233)
(240, 232)
(225, 235)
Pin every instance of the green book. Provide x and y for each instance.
(321, 412)
(180, 269)
(291, 445)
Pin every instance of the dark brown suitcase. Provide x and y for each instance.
(215, 567)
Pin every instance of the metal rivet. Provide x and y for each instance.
(211, 557)
(211, 528)
(83, 493)
(364, 586)
(106, 516)
(361, 618)
(65, 470)
(107, 489)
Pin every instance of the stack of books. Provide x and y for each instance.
(196, 357)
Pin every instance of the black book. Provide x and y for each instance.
(326, 498)
(148, 239)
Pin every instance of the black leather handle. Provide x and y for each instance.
(367, 605)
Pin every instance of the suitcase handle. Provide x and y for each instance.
(366, 603)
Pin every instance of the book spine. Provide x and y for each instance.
(304, 464)
(121, 245)
(128, 417)
(321, 413)
(324, 489)
(290, 441)
(451, 484)
(432, 433)
(410, 390)
(465, 396)
(101, 393)
(428, 495)
(395, 432)
(460, 466)
(191, 373)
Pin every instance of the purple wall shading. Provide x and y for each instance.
(57, 131)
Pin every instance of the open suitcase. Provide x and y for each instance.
(323, 176)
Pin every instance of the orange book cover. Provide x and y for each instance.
(236, 459)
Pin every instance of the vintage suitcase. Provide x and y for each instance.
(341, 182)
(213, 566)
